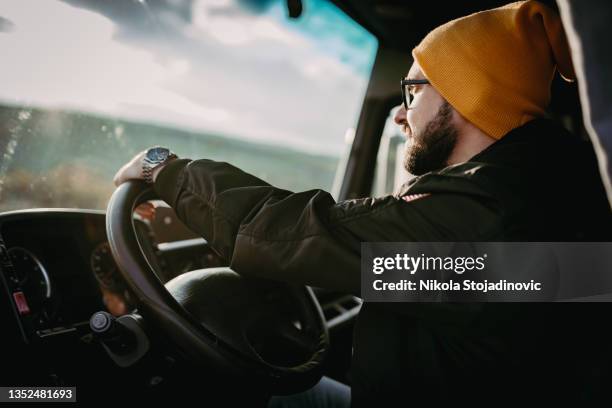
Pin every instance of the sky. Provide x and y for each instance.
(234, 67)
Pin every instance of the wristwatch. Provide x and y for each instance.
(155, 156)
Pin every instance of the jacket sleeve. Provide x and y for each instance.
(306, 237)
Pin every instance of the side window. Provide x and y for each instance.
(390, 174)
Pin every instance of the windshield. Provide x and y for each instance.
(87, 84)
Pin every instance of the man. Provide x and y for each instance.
(489, 167)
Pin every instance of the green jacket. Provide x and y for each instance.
(538, 183)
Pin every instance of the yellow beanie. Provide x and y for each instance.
(495, 67)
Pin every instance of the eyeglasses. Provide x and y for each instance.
(406, 95)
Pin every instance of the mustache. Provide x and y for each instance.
(406, 129)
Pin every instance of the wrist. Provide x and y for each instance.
(155, 172)
(154, 158)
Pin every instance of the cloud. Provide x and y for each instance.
(232, 24)
(227, 69)
(64, 57)
(6, 25)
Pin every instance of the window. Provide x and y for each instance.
(87, 84)
(389, 173)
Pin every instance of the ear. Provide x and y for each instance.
(463, 125)
(457, 120)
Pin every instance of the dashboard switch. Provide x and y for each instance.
(123, 338)
(21, 303)
(100, 322)
(112, 333)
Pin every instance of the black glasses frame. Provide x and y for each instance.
(406, 95)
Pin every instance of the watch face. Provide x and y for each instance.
(158, 154)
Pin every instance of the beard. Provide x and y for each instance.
(431, 149)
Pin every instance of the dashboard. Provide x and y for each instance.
(56, 271)
(55, 268)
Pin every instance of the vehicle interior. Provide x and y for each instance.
(301, 93)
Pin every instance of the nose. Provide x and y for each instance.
(400, 115)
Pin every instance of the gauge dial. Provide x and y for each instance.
(30, 277)
(115, 295)
(104, 267)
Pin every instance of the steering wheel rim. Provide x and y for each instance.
(186, 331)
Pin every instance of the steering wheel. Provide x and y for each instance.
(253, 329)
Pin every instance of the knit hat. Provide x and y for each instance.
(495, 67)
